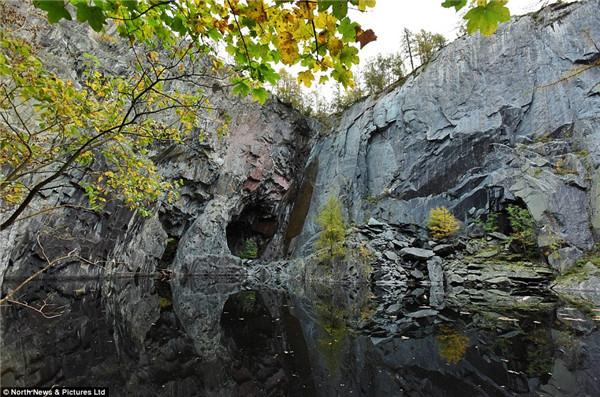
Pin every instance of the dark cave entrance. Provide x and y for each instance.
(247, 321)
(249, 233)
(267, 345)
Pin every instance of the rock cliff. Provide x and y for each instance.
(489, 120)
(235, 188)
(514, 118)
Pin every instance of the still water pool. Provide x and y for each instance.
(199, 337)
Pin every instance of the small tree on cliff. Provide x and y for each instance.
(331, 243)
(442, 223)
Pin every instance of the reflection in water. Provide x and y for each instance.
(452, 344)
(198, 337)
(269, 351)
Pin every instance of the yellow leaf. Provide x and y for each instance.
(363, 4)
(306, 78)
(335, 46)
(325, 21)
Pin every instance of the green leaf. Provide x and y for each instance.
(348, 56)
(323, 5)
(342, 75)
(340, 9)
(130, 4)
(55, 9)
(241, 58)
(175, 23)
(457, 4)
(214, 34)
(268, 74)
(486, 18)
(260, 94)
(91, 14)
(308, 62)
(348, 29)
(241, 87)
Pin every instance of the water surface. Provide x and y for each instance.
(199, 337)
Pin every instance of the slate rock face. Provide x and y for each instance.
(248, 176)
(514, 117)
(518, 113)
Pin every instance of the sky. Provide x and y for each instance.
(389, 18)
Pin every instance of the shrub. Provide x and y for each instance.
(365, 254)
(442, 223)
(491, 222)
(250, 250)
(331, 243)
(523, 227)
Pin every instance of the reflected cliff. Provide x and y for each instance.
(199, 337)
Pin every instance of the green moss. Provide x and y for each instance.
(583, 305)
(592, 256)
(583, 153)
(575, 274)
(502, 256)
(372, 199)
(164, 303)
(545, 138)
(580, 272)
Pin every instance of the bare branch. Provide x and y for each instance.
(40, 309)
(50, 264)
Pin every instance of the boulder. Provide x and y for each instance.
(423, 313)
(563, 259)
(435, 271)
(417, 253)
(391, 255)
(498, 236)
(443, 249)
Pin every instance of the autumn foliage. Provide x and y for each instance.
(442, 223)
(331, 243)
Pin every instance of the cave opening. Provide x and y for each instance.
(247, 321)
(249, 234)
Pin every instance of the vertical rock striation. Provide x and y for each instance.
(519, 111)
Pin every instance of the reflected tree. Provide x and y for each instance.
(452, 344)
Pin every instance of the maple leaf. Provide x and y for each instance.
(306, 78)
(335, 46)
(364, 37)
(486, 18)
(457, 4)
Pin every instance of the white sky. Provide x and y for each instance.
(389, 18)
